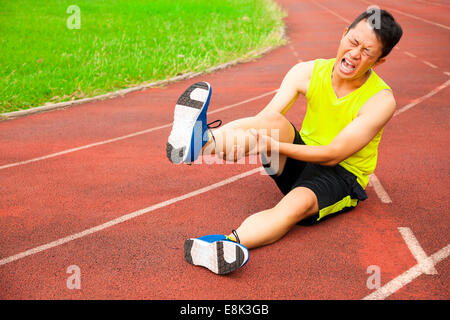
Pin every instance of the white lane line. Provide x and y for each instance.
(126, 217)
(373, 180)
(293, 50)
(429, 64)
(423, 98)
(84, 147)
(410, 54)
(416, 271)
(413, 16)
(242, 102)
(379, 190)
(348, 22)
(332, 12)
(434, 3)
(406, 277)
(417, 251)
(403, 109)
(105, 225)
(99, 143)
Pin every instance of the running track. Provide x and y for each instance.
(100, 194)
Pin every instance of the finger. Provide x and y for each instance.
(238, 153)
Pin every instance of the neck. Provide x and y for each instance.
(349, 84)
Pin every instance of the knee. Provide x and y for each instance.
(271, 116)
(276, 121)
(302, 212)
(303, 206)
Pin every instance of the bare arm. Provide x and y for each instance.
(295, 82)
(372, 118)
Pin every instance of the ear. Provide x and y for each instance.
(379, 62)
(345, 32)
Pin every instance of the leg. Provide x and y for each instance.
(222, 255)
(270, 225)
(236, 135)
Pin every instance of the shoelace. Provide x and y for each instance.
(236, 238)
(210, 126)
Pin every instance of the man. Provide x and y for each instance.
(324, 168)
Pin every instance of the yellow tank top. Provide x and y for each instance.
(326, 116)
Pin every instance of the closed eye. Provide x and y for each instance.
(367, 52)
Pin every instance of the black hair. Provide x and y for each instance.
(388, 31)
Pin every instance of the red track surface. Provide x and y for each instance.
(142, 258)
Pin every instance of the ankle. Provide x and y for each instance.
(210, 146)
(234, 236)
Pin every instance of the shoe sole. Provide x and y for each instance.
(220, 257)
(189, 106)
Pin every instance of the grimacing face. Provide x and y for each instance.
(358, 51)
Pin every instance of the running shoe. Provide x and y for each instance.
(218, 253)
(189, 131)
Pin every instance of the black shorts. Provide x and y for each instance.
(336, 189)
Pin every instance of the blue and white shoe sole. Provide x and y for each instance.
(185, 140)
(220, 257)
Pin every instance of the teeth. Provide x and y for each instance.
(349, 63)
(346, 66)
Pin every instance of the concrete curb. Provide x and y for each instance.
(250, 56)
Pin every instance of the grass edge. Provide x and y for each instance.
(248, 57)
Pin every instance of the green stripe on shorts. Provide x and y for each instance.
(338, 206)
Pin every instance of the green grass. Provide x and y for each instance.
(121, 43)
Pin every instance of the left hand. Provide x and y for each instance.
(264, 143)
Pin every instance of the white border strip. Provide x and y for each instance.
(250, 56)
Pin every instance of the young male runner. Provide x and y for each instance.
(324, 168)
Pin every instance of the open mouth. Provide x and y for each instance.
(346, 66)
